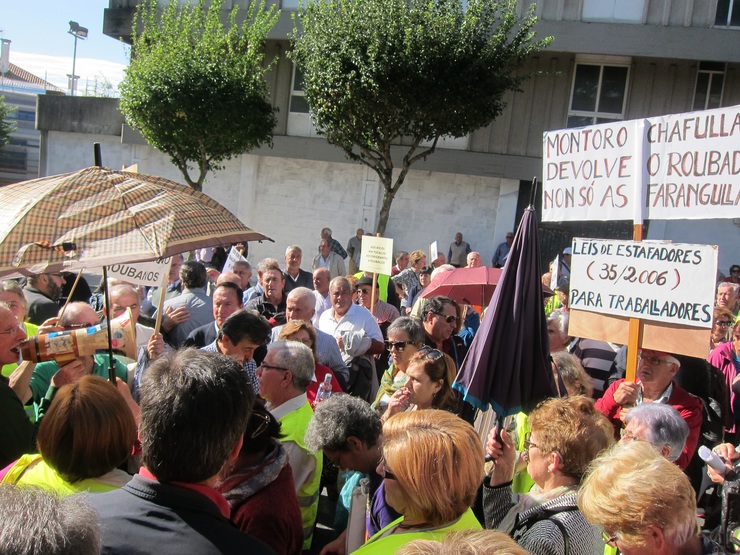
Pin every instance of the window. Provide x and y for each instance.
(599, 92)
(297, 97)
(616, 11)
(299, 119)
(25, 115)
(710, 79)
(728, 13)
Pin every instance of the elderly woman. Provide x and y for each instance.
(409, 278)
(432, 466)
(405, 337)
(259, 487)
(725, 358)
(304, 332)
(644, 503)
(721, 326)
(567, 434)
(658, 424)
(11, 294)
(85, 435)
(557, 331)
(466, 542)
(429, 378)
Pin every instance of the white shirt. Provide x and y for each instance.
(356, 322)
(322, 304)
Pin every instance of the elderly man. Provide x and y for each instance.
(357, 334)
(173, 289)
(333, 243)
(655, 372)
(354, 250)
(42, 293)
(284, 377)
(321, 279)
(293, 274)
(49, 376)
(473, 260)
(257, 290)
(502, 251)
(402, 262)
(728, 295)
(328, 259)
(194, 299)
(17, 429)
(658, 424)
(122, 297)
(299, 306)
(440, 320)
(194, 409)
(458, 251)
(350, 434)
(227, 299)
(271, 303)
(243, 269)
(384, 312)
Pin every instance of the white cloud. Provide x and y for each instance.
(56, 68)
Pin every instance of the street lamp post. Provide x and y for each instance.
(77, 32)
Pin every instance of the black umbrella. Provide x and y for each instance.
(507, 366)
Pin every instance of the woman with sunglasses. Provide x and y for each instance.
(432, 466)
(721, 326)
(430, 375)
(734, 276)
(405, 337)
(567, 434)
(259, 487)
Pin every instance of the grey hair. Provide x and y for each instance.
(244, 263)
(303, 294)
(561, 319)
(12, 287)
(410, 326)
(293, 248)
(442, 268)
(734, 287)
(339, 418)
(571, 370)
(268, 264)
(119, 289)
(340, 281)
(663, 425)
(297, 358)
(400, 254)
(39, 521)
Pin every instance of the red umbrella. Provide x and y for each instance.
(473, 286)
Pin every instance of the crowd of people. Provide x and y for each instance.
(220, 435)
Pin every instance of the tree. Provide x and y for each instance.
(6, 127)
(379, 71)
(196, 90)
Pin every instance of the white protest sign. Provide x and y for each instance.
(665, 282)
(234, 256)
(377, 255)
(151, 273)
(589, 173)
(434, 253)
(694, 165)
(554, 277)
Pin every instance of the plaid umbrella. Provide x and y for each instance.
(97, 217)
(508, 365)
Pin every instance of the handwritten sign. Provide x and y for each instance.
(142, 273)
(377, 255)
(234, 256)
(681, 166)
(665, 282)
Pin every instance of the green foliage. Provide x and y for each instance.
(378, 70)
(195, 89)
(6, 127)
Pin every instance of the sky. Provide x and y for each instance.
(41, 45)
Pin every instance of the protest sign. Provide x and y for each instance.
(234, 256)
(433, 253)
(377, 255)
(663, 282)
(152, 273)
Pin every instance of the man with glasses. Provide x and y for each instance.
(440, 320)
(49, 376)
(284, 377)
(655, 373)
(42, 292)
(502, 251)
(384, 312)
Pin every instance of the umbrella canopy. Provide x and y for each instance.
(472, 286)
(507, 366)
(97, 217)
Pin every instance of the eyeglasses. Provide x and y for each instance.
(528, 444)
(434, 354)
(448, 319)
(387, 475)
(363, 291)
(723, 324)
(397, 345)
(14, 329)
(654, 361)
(70, 327)
(610, 539)
(262, 426)
(264, 366)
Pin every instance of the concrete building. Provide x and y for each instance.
(610, 60)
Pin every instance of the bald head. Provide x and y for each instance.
(231, 277)
(79, 314)
(321, 279)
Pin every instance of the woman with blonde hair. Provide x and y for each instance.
(466, 542)
(432, 466)
(643, 502)
(567, 434)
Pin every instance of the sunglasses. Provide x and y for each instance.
(448, 319)
(723, 323)
(262, 426)
(397, 345)
(434, 354)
